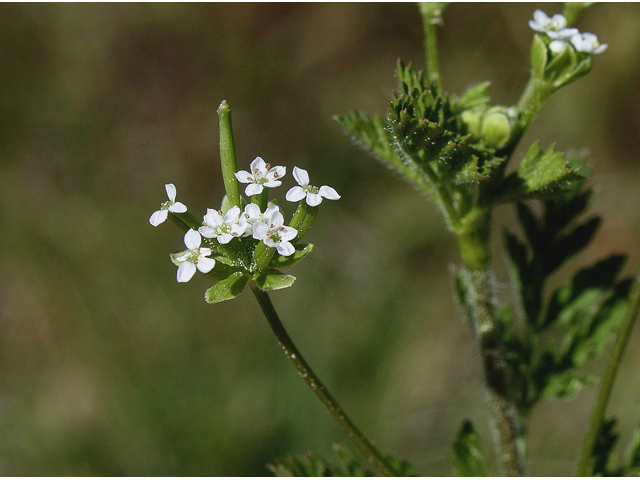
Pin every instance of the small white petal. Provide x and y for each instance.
(224, 238)
(287, 233)
(205, 265)
(260, 230)
(182, 256)
(213, 218)
(277, 172)
(301, 176)
(232, 214)
(601, 48)
(277, 219)
(192, 239)
(273, 183)
(258, 164)
(244, 177)
(185, 272)
(314, 199)
(207, 232)
(295, 194)
(252, 210)
(253, 189)
(268, 241)
(285, 249)
(178, 207)
(269, 212)
(557, 46)
(158, 217)
(329, 193)
(171, 191)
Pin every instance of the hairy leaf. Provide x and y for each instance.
(467, 456)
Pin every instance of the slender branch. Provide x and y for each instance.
(318, 388)
(608, 378)
(431, 12)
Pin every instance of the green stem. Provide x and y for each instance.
(430, 16)
(608, 378)
(535, 93)
(317, 387)
(228, 154)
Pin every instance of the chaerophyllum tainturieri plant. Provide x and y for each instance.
(456, 148)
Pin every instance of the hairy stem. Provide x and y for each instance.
(318, 388)
(608, 378)
(508, 424)
(431, 12)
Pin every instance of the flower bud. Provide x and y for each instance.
(497, 125)
(471, 119)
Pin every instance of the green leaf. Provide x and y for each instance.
(229, 288)
(541, 175)
(302, 250)
(467, 456)
(538, 56)
(313, 465)
(476, 97)
(272, 279)
(631, 463)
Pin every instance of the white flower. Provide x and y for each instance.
(223, 228)
(542, 23)
(193, 258)
(588, 43)
(313, 194)
(262, 175)
(171, 206)
(252, 215)
(275, 234)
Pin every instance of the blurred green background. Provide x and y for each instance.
(109, 367)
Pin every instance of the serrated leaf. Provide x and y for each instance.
(467, 456)
(226, 289)
(476, 97)
(273, 279)
(631, 463)
(541, 175)
(302, 250)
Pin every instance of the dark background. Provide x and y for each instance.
(109, 367)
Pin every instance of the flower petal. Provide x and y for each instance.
(171, 191)
(295, 194)
(252, 210)
(260, 165)
(213, 218)
(287, 233)
(224, 238)
(276, 219)
(185, 272)
(244, 177)
(178, 207)
(285, 249)
(205, 265)
(158, 217)
(329, 193)
(207, 232)
(314, 199)
(301, 176)
(260, 230)
(192, 239)
(276, 172)
(232, 214)
(273, 183)
(253, 189)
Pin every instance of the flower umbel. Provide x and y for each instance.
(262, 175)
(224, 229)
(275, 234)
(161, 215)
(312, 194)
(193, 258)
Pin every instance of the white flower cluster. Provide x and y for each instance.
(561, 37)
(267, 226)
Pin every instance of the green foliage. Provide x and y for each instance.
(467, 455)
(312, 465)
(582, 314)
(542, 174)
(273, 279)
(603, 460)
(226, 289)
(556, 69)
(302, 250)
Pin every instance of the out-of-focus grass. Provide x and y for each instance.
(109, 367)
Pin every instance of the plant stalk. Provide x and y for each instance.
(431, 12)
(318, 388)
(508, 424)
(608, 379)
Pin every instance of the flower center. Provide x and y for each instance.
(311, 189)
